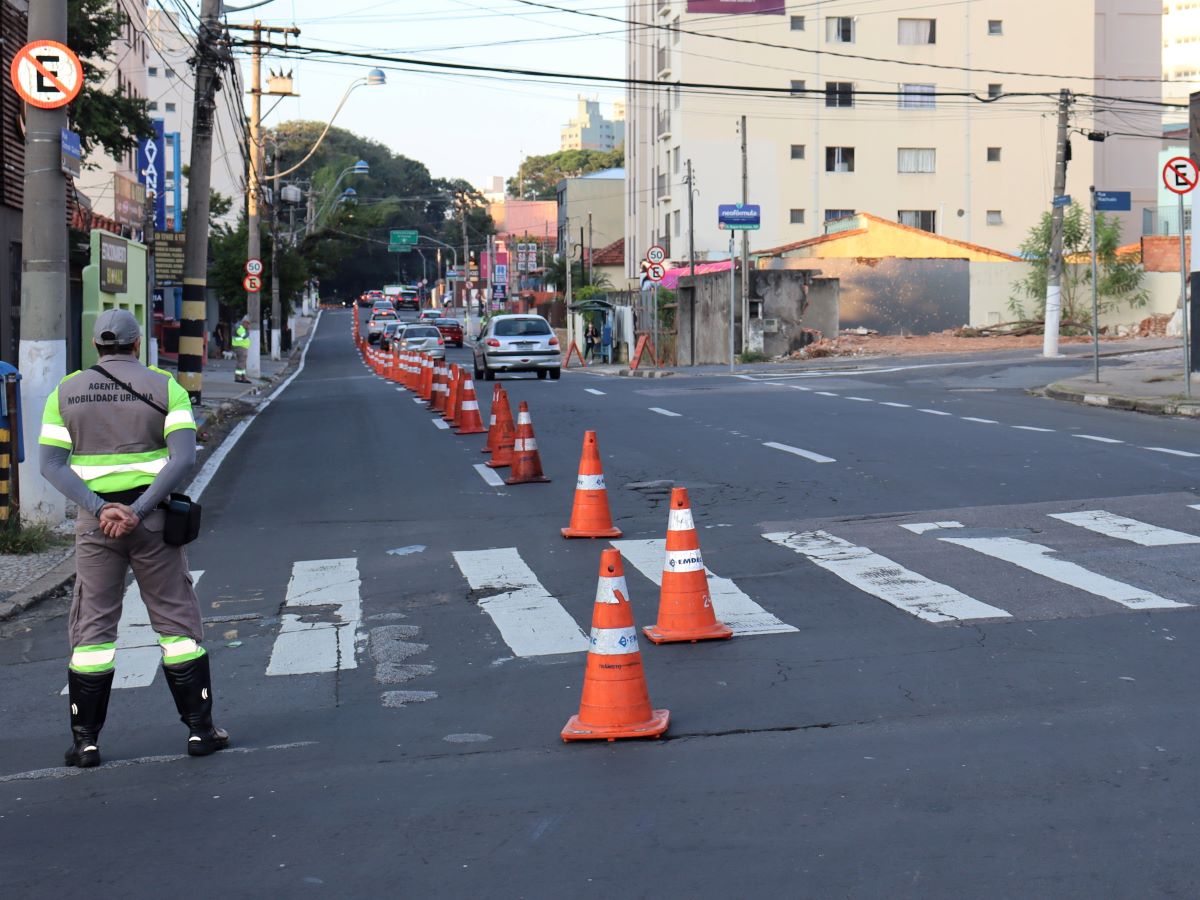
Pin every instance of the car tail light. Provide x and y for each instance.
(553, 342)
(440, 342)
(492, 342)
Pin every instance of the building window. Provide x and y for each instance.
(797, 23)
(152, 105)
(916, 160)
(797, 88)
(925, 219)
(170, 107)
(676, 159)
(839, 93)
(675, 223)
(995, 27)
(993, 154)
(797, 217)
(995, 90)
(797, 151)
(152, 71)
(839, 159)
(832, 215)
(917, 31)
(839, 29)
(995, 217)
(917, 96)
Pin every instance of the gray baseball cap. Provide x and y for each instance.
(115, 327)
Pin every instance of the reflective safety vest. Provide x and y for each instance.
(241, 337)
(116, 441)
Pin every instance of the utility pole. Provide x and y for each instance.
(745, 248)
(276, 322)
(1054, 275)
(43, 348)
(692, 263)
(466, 272)
(591, 269)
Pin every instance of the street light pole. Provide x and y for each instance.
(253, 186)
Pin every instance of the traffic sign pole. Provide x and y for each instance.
(1095, 292)
(1180, 175)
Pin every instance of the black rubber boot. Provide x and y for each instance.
(89, 694)
(191, 686)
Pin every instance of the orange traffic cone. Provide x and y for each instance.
(590, 517)
(410, 370)
(685, 610)
(526, 463)
(451, 409)
(615, 701)
(506, 436)
(438, 403)
(469, 421)
(493, 437)
(425, 391)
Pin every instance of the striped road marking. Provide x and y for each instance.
(807, 454)
(861, 399)
(935, 412)
(302, 647)
(489, 475)
(1131, 530)
(731, 605)
(980, 421)
(138, 655)
(896, 405)
(879, 576)
(1033, 428)
(531, 621)
(1097, 439)
(440, 423)
(1036, 558)
(1173, 452)
(594, 391)
(664, 412)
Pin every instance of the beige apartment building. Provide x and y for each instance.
(590, 130)
(949, 141)
(1180, 53)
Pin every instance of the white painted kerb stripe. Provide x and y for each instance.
(796, 451)
(531, 621)
(731, 605)
(881, 577)
(1106, 523)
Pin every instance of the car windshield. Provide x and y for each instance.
(421, 332)
(391, 327)
(520, 327)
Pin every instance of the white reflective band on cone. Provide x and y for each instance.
(470, 404)
(523, 419)
(613, 641)
(589, 483)
(683, 561)
(681, 520)
(607, 590)
(524, 444)
(492, 420)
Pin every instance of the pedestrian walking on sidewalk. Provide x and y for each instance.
(117, 439)
(241, 349)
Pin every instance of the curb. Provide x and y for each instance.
(644, 373)
(1163, 407)
(37, 591)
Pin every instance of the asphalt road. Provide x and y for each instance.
(992, 703)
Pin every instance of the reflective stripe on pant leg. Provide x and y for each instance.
(92, 659)
(176, 650)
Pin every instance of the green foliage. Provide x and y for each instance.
(538, 176)
(227, 257)
(752, 356)
(556, 278)
(113, 121)
(16, 539)
(1119, 280)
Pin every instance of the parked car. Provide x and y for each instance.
(377, 322)
(451, 330)
(517, 343)
(423, 339)
(389, 334)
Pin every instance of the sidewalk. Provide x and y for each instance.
(28, 579)
(1148, 382)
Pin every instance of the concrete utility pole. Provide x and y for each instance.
(43, 349)
(276, 328)
(591, 269)
(466, 272)
(692, 261)
(1054, 275)
(745, 248)
(194, 310)
(1192, 310)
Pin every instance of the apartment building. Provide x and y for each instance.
(921, 115)
(170, 91)
(1180, 52)
(590, 130)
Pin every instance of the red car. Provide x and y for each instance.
(451, 330)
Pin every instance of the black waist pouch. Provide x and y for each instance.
(182, 522)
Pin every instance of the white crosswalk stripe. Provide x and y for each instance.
(306, 647)
(530, 620)
(881, 577)
(732, 606)
(1143, 533)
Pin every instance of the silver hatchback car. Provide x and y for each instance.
(422, 338)
(517, 343)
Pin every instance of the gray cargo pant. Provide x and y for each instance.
(161, 570)
(242, 354)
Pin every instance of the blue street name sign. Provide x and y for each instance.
(1063, 200)
(1113, 201)
(72, 153)
(739, 217)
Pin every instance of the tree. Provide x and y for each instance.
(227, 256)
(113, 121)
(1119, 281)
(538, 177)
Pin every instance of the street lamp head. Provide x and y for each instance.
(349, 193)
(376, 76)
(362, 167)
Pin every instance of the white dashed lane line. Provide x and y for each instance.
(1097, 439)
(1034, 428)
(935, 412)
(806, 454)
(980, 421)
(1173, 452)
(861, 399)
(664, 412)
(896, 405)
(825, 394)
(594, 391)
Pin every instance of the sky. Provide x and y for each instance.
(458, 126)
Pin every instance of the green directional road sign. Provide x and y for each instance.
(403, 239)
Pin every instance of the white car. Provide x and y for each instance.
(517, 343)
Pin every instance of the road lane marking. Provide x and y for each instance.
(489, 475)
(935, 412)
(594, 391)
(861, 399)
(896, 405)
(1100, 440)
(417, 399)
(308, 647)
(825, 394)
(732, 606)
(980, 421)
(664, 412)
(1173, 452)
(531, 621)
(1033, 428)
(1143, 533)
(1036, 558)
(807, 454)
(880, 577)
(922, 527)
(440, 423)
(798, 387)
